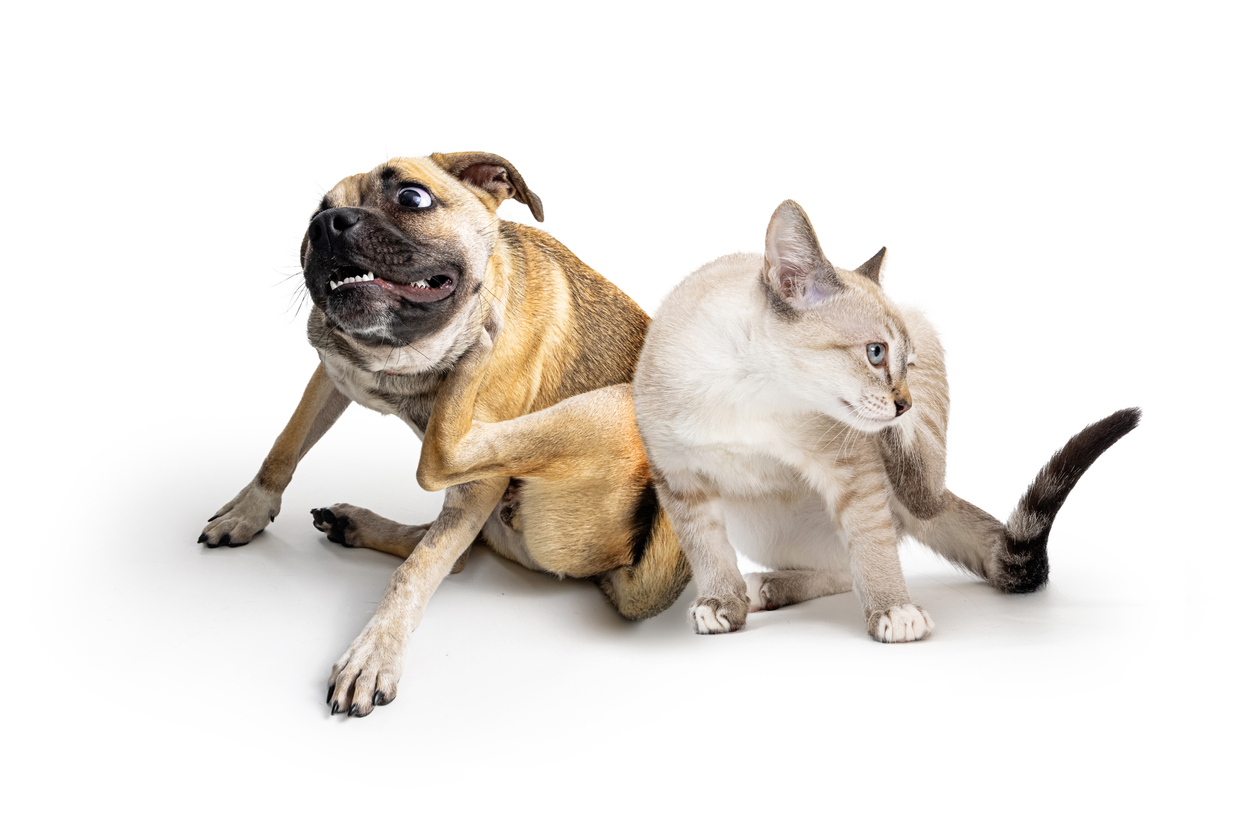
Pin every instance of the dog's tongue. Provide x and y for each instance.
(419, 292)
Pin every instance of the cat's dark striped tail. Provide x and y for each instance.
(1025, 566)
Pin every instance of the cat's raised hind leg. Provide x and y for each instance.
(1012, 557)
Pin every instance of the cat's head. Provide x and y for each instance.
(843, 347)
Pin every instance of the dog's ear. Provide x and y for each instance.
(495, 175)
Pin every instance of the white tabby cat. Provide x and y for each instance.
(793, 412)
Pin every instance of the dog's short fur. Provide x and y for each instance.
(565, 489)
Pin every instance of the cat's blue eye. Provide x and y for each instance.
(413, 197)
(876, 352)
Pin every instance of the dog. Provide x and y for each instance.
(409, 269)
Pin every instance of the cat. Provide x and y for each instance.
(791, 410)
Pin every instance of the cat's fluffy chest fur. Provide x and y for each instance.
(746, 455)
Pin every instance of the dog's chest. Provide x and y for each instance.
(409, 397)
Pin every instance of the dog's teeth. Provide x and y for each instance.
(370, 276)
(334, 285)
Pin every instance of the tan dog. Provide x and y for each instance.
(406, 265)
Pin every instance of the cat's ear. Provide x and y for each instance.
(874, 267)
(796, 268)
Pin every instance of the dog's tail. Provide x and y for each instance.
(658, 572)
(1013, 557)
(1026, 567)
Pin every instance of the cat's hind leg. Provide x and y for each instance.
(963, 534)
(793, 535)
(772, 590)
(1012, 557)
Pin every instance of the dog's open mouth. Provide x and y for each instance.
(433, 288)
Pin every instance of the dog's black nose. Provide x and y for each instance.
(331, 224)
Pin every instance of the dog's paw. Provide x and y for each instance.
(718, 615)
(241, 519)
(337, 523)
(907, 623)
(368, 672)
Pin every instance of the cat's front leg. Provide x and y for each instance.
(722, 603)
(877, 578)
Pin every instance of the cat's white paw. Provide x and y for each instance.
(717, 615)
(906, 623)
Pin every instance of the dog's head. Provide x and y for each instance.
(398, 254)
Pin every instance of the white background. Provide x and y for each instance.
(1066, 191)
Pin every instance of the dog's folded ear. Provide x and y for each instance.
(495, 175)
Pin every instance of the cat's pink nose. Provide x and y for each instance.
(903, 405)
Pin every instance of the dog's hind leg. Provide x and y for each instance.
(552, 443)
(361, 528)
(591, 433)
(655, 580)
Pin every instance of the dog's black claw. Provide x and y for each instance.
(330, 691)
(214, 517)
(378, 698)
(352, 710)
(225, 541)
(335, 707)
(272, 516)
(203, 538)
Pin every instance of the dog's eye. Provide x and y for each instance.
(876, 352)
(412, 197)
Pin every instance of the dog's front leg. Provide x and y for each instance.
(256, 506)
(367, 674)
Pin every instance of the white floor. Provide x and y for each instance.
(164, 680)
(1065, 192)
